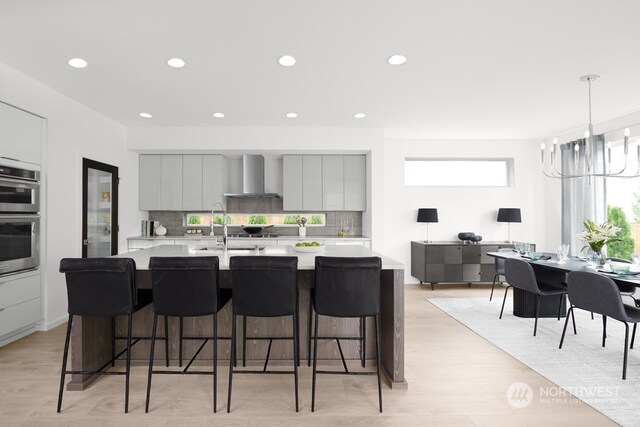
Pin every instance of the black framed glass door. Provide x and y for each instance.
(99, 209)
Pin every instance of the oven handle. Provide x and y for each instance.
(19, 217)
(26, 182)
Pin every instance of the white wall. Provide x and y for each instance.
(73, 132)
(464, 208)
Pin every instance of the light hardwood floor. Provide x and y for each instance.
(455, 378)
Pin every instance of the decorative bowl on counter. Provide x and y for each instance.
(475, 238)
(308, 247)
(619, 267)
(465, 235)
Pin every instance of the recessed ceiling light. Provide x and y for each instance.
(292, 115)
(287, 61)
(397, 59)
(176, 63)
(360, 115)
(218, 115)
(77, 63)
(145, 115)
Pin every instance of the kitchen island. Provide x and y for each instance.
(91, 337)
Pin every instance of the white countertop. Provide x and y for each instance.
(252, 239)
(306, 261)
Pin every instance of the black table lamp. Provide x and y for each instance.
(428, 215)
(509, 215)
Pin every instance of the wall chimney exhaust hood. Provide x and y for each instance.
(252, 178)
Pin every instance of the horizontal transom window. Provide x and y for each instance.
(454, 172)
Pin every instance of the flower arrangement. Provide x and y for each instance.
(596, 236)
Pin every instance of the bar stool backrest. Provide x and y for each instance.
(596, 293)
(519, 274)
(347, 287)
(265, 286)
(185, 286)
(100, 287)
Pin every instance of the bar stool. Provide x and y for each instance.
(99, 287)
(186, 287)
(347, 287)
(264, 286)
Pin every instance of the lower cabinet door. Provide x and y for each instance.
(471, 272)
(452, 272)
(18, 318)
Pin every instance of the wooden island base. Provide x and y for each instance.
(91, 337)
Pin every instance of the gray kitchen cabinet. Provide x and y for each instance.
(312, 183)
(171, 182)
(19, 305)
(192, 182)
(204, 181)
(454, 262)
(292, 183)
(355, 177)
(302, 183)
(21, 134)
(150, 182)
(214, 180)
(333, 183)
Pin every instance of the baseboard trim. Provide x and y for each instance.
(43, 327)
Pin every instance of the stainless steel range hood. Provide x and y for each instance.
(252, 178)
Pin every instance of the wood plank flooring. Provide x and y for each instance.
(455, 377)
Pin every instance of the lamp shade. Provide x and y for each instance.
(427, 215)
(509, 215)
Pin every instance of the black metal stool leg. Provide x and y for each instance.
(564, 330)
(535, 325)
(166, 340)
(215, 362)
(309, 325)
(315, 360)
(128, 368)
(65, 355)
(153, 346)
(633, 335)
(626, 350)
(604, 329)
(377, 325)
(364, 340)
(296, 359)
(233, 351)
(180, 344)
(113, 341)
(244, 341)
(493, 286)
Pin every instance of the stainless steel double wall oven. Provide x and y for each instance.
(19, 218)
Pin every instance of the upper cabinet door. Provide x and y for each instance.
(150, 182)
(292, 183)
(192, 182)
(172, 182)
(214, 180)
(312, 183)
(21, 134)
(333, 183)
(355, 175)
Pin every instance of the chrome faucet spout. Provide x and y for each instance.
(225, 230)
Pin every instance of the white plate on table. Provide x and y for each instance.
(308, 249)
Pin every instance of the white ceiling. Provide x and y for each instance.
(475, 69)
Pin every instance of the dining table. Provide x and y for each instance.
(551, 270)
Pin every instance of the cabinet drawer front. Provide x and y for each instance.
(15, 291)
(471, 272)
(17, 317)
(452, 254)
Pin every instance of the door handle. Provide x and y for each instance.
(86, 242)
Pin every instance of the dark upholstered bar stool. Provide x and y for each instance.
(264, 286)
(347, 287)
(187, 287)
(99, 287)
(519, 274)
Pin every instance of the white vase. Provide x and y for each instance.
(302, 231)
(160, 230)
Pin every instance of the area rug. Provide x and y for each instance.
(582, 368)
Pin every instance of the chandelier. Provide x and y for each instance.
(549, 168)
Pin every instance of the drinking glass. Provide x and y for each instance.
(636, 259)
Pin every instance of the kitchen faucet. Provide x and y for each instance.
(225, 230)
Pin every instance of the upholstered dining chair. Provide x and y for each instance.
(599, 294)
(519, 274)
